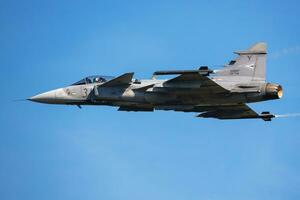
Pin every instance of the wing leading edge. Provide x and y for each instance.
(197, 79)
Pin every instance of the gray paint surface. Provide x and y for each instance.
(220, 94)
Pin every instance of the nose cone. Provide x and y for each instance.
(46, 97)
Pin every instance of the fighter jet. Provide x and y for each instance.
(221, 94)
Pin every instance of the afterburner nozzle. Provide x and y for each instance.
(274, 91)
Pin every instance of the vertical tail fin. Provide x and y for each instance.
(250, 63)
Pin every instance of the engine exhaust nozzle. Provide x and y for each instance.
(273, 91)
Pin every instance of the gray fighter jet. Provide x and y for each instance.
(220, 94)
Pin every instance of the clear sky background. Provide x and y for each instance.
(62, 152)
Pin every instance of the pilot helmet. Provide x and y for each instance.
(96, 79)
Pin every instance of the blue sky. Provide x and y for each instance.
(62, 152)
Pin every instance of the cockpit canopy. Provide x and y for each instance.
(93, 79)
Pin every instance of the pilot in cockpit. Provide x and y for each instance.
(97, 80)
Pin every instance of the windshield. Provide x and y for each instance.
(93, 79)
